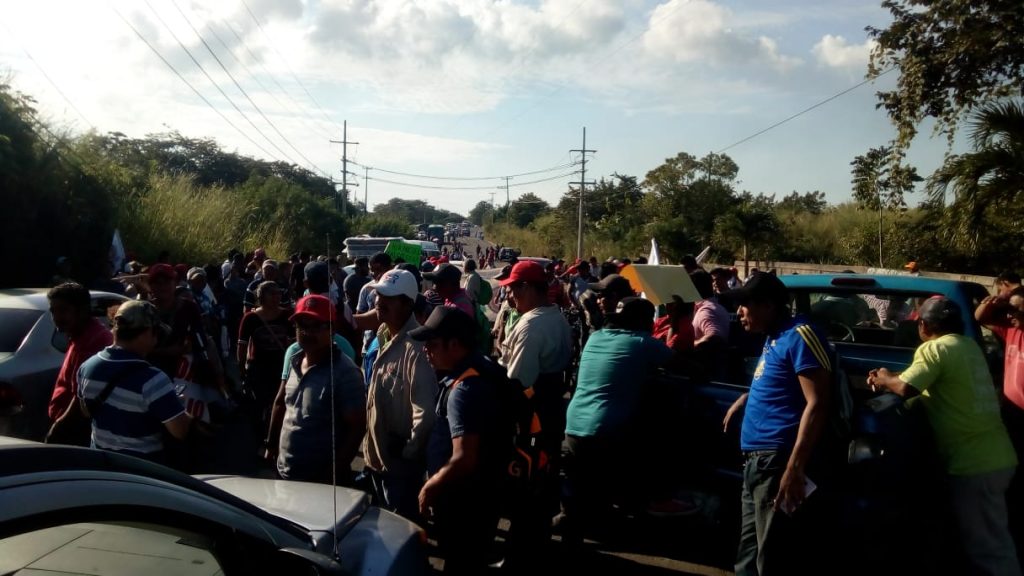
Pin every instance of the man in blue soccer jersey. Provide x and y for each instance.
(785, 412)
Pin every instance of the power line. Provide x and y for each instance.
(216, 85)
(242, 90)
(48, 79)
(428, 187)
(259, 62)
(299, 82)
(397, 173)
(189, 84)
(804, 111)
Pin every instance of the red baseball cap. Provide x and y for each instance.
(526, 271)
(161, 271)
(315, 307)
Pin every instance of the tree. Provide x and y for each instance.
(952, 55)
(750, 222)
(881, 180)
(695, 191)
(525, 209)
(480, 213)
(988, 182)
(809, 202)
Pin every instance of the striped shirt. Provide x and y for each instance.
(143, 399)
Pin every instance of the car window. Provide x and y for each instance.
(15, 324)
(112, 549)
(864, 317)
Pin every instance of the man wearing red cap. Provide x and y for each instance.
(536, 353)
(324, 386)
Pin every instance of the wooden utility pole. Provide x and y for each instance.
(508, 201)
(366, 189)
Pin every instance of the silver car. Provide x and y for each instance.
(31, 353)
(71, 510)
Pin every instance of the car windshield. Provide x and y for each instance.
(870, 317)
(14, 326)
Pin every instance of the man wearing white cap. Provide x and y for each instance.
(401, 399)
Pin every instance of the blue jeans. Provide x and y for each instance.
(769, 540)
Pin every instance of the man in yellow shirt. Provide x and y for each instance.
(950, 378)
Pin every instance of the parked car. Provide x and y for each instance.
(31, 353)
(82, 511)
(506, 254)
(874, 465)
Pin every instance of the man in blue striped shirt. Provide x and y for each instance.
(131, 401)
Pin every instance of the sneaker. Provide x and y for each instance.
(672, 507)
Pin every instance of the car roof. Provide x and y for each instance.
(25, 457)
(901, 282)
(35, 298)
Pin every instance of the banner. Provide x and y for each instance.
(405, 251)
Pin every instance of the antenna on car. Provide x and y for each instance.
(334, 449)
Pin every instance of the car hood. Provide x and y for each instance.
(306, 504)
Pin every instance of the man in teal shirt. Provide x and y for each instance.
(950, 377)
(614, 366)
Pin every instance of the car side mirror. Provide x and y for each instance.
(320, 563)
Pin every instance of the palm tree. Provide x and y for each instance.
(987, 181)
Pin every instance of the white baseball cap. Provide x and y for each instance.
(397, 283)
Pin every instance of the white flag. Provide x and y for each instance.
(655, 258)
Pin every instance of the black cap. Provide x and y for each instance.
(633, 313)
(445, 322)
(506, 271)
(316, 271)
(614, 284)
(444, 272)
(762, 287)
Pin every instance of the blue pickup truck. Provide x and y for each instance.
(875, 468)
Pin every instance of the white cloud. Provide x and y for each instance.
(837, 52)
(701, 31)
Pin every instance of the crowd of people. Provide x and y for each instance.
(460, 420)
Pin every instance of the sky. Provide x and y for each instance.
(468, 91)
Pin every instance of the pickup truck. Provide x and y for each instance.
(878, 486)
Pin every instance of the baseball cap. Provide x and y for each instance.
(165, 271)
(315, 307)
(444, 272)
(397, 282)
(140, 314)
(506, 271)
(194, 272)
(614, 284)
(762, 287)
(526, 271)
(444, 322)
(634, 313)
(315, 271)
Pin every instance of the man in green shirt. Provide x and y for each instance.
(950, 378)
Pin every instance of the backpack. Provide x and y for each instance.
(526, 464)
(486, 292)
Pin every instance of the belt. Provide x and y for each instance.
(756, 453)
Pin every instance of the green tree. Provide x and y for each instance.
(525, 209)
(952, 55)
(809, 202)
(880, 179)
(480, 213)
(696, 191)
(751, 222)
(988, 183)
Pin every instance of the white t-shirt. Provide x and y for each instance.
(539, 343)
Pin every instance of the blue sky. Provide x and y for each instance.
(469, 88)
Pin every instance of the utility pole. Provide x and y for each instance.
(508, 201)
(366, 190)
(583, 187)
(344, 163)
(492, 209)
